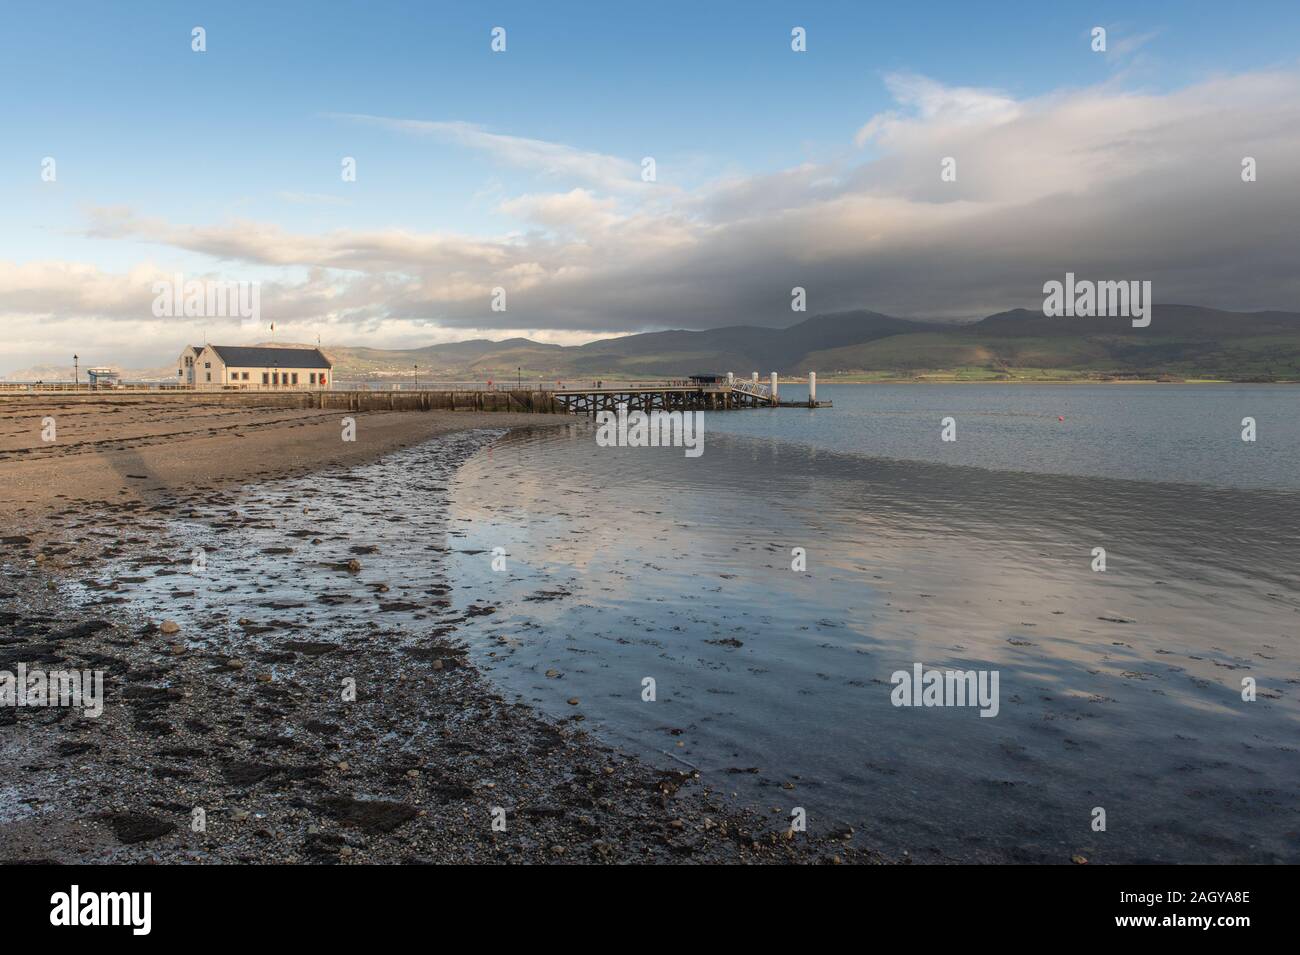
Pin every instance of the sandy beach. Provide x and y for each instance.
(110, 448)
(231, 740)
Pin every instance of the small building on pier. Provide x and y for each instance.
(103, 378)
(254, 368)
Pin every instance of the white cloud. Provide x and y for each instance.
(934, 103)
(547, 158)
(1097, 181)
(578, 210)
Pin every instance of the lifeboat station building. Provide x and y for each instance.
(254, 368)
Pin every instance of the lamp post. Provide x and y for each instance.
(417, 377)
(76, 370)
(519, 378)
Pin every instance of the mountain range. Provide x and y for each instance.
(1182, 341)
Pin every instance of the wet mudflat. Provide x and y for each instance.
(569, 575)
(284, 658)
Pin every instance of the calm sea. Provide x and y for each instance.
(1173, 433)
(1120, 690)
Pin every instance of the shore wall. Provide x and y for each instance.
(529, 402)
(521, 401)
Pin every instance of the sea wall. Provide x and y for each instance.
(525, 401)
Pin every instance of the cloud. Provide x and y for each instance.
(937, 105)
(578, 210)
(1103, 182)
(549, 159)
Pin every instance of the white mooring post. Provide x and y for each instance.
(812, 389)
(773, 387)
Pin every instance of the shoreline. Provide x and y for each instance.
(246, 723)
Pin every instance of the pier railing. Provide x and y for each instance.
(747, 387)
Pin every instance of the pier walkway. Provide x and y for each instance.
(702, 393)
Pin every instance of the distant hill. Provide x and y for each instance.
(1182, 341)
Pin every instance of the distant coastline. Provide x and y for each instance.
(1184, 343)
(942, 379)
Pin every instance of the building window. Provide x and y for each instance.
(311, 378)
(209, 374)
(295, 378)
(245, 376)
(263, 377)
(207, 364)
(180, 372)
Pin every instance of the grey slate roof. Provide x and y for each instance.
(239, 356)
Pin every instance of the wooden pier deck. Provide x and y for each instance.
(675, 396)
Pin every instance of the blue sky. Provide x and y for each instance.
(252, 131)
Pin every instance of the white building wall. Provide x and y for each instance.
(208, 372)
(185, 367)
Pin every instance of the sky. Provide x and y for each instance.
(128, 158)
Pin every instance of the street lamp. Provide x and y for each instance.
(76, 370)
(519, 378)
(417, 377)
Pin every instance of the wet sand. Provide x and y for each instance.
(243, 716)
(138, 448)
